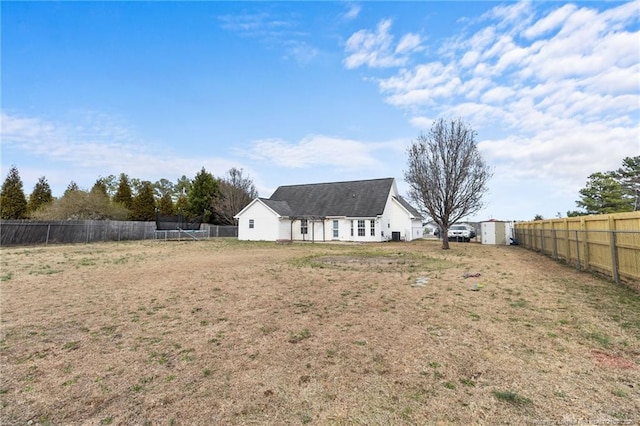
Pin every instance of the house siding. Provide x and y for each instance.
(266, 224)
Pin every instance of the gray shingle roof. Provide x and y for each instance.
(363, 198)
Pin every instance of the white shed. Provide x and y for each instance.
(496, 232)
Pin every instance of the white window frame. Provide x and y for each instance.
(304, 226)
(336, 228)
(252, 223)
(362, 231)
(373, 228)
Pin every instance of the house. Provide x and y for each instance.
(364, 210)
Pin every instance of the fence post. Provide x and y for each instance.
(614, 257)
(48, 229)
(542, 239)
(555, 243)
(585, 243)
(577, 251)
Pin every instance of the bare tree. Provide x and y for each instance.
(446, 174)
(237, 191)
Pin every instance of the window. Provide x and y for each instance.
(304, 227)
(335, 229)
(361, 231)
(251, 223)
(373, 228)
(352, 228)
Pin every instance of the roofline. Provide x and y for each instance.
(330, 183)
(255, 200)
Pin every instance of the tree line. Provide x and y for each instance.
(215, 200)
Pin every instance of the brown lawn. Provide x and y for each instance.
(224, 332)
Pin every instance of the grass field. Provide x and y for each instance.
(226, 332)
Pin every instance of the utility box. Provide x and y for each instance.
(496, 232)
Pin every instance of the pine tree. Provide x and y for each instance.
(73, 187)
(13, 203)
(123, 194)
(143, 206)
(204, 191)
(165, 205)
(100, 187)
(629, 177)
(41, 195)
(603, 195)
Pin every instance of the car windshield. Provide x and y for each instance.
(459, 227)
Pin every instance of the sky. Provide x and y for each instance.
(310, 92)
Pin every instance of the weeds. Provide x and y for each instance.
(600, 338)
(511, 397)
(298, 337)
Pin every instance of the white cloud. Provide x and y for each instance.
(275, 31)
(318, 150)
(301, 52)
(553, 90)
(352, 12)
(375, 49)
(97, 145)
(408, 43)
(550, 22)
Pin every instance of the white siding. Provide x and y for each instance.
(266, 224)
(398, 219)
(496, 232)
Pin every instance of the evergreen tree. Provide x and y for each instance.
(41, 195)
(13, 203)
(629, 177)
(205, 189)
(123, 194)
(143, 206)
(165, 205)
(181, 206)
(603, 195)
(100, 187)
(71, 188)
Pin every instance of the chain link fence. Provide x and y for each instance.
(23, 233)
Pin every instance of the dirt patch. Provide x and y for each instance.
(228, 332)
(613, 361)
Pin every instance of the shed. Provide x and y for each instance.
(496, 232)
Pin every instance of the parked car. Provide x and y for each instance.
(461, 232)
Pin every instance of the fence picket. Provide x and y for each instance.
(608, 244)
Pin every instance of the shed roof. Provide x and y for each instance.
(363, 198)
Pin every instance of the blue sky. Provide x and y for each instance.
(303, 92)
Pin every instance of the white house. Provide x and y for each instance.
(365, 210)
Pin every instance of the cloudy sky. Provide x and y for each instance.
(303, 92)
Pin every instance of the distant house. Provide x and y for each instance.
(364, 210)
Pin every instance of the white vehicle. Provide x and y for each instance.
(461, 233)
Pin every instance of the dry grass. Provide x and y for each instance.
(224, 332)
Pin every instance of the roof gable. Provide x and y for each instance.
(364, 198)
(409, 208)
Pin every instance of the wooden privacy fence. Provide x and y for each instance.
(608, 244)
(25, 232)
